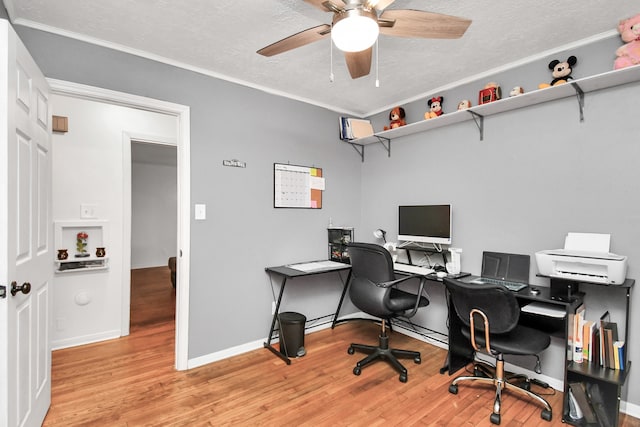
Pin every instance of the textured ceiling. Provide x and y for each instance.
(221, 38)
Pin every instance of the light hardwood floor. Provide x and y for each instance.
(131, 381)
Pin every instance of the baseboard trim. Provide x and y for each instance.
(86, 339)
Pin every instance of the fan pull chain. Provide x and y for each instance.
(377, 80)
(331, 60)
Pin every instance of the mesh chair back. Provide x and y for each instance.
(497, 302)
(370, 264)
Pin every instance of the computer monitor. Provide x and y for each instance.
(425, 224)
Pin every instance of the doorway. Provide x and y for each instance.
(154, 219)
(181, 141)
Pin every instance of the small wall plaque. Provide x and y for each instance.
(60, 124)
(234, 163)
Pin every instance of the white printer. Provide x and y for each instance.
(585, 257)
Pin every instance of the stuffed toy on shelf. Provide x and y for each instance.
(435, 107)
(561, 71)
(464, 104)
(628, 54)
(517, 90)
(396, 117)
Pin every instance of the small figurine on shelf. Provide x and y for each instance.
(100, 252)
(435, 107)
(396, 116)
(517, 90)
(490, 93)
(63, 254)
(81, 245)
(464, 104)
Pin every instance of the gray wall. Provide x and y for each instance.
(537, 175)
(230, 299)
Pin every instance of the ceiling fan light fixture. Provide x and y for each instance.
(355, 30)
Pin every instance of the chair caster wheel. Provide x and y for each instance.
(495, 419)
(403, 378)
(357, 370)
(417, 360)
(350, 350)
(453, 389)
(546, 415)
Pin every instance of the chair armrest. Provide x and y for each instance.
(422, 278)
(400, 280)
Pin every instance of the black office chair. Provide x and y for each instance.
(488, 316)
(373, 289)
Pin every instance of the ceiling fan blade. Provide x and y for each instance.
(379, 5)
(417, 23)
(359, 63)
(302, 38)
(324, 5)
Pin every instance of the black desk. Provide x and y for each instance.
(286, 272)
(460, 350)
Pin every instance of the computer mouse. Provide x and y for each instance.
(534, 291)
(441, 274)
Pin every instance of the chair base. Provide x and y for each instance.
(500, 384)
(383, 352)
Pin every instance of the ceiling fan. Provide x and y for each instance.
(357, 23)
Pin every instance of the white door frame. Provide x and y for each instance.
(182, 113)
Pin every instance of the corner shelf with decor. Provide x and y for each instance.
(80, 246)
(477, 113)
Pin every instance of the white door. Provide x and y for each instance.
(25, 236)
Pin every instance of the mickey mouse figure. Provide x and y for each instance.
(435, 107)
(561, 71)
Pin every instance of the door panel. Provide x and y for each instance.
(26, 229)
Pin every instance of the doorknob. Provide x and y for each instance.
(3, 291)
(25, 288)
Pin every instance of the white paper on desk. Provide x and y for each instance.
(316, 265)
(591, 242)
(543, 309)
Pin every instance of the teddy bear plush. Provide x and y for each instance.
(396, 117)
(435, 107)
(561, 71)
(628, 54)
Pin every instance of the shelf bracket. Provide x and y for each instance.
(358, 150)
(381, 140)
(580, 96)
(479, 119)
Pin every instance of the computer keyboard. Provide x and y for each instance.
(512, 286)
(413, 269)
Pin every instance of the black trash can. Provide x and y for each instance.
(292, 334)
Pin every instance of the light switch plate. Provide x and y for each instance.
(87, 210)
(201, 212)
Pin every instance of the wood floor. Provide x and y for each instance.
(131, 381)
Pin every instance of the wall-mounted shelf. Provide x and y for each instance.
(76, 265)
(477, 113)
(66, 233)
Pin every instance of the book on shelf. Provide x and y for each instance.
(618, 347)
(351, 128)
(610, 336)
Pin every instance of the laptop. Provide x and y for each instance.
(510, 270)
